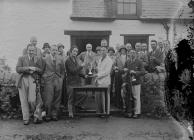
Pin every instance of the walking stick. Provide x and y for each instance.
(37, 82)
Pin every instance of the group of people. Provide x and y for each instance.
(45, 78)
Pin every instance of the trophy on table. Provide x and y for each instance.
(90, 67)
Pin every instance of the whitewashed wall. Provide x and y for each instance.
(19, 20)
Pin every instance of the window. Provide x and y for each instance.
(128, 8)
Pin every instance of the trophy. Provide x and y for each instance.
(90, 69)
(133, 79)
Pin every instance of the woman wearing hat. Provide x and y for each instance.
(118, 72)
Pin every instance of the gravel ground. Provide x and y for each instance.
(115, 128)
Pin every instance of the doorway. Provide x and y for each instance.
(81, 38)
(81, 41)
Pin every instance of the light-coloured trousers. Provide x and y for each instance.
(30, 100)
(102, 102)
(136, 90)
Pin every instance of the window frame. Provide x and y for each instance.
(128, 16)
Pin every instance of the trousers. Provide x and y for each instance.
(136, 90)
(102, 102)
(52, 96)
(30, 100)
(77, 99)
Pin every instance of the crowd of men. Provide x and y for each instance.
(47, 77)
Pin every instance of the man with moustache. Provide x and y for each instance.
(53, 73)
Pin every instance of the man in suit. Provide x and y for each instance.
(28, 67)
(37, 51)
(87, 59)
(53, 73)
(103, 79)
(134, 71)
(74, 74)
(154, 57)
(63, 55)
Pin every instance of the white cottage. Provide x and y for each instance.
(123, 21)
(82, 21)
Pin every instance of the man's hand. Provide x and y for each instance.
(83, 64)
(27, 69)
(152, 58)
(86, 76)
(94, 75)
(125, 69)
(115, 68)
(132, 72)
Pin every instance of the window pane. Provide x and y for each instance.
(133, 9)
(130, 9)
(120, 8)
(130, 0)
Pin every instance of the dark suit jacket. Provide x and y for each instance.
(22, 65)
(137, 66)
(155, 62)
(50, 70)
(74, 72)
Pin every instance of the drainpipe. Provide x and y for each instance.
(166, 28)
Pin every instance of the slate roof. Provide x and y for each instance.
(151, 9)
(165, 9)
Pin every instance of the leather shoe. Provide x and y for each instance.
(54, 118)
(71, 116)
(37, 121)
(135, 116)
(26, 122)
(81, 108)
(129, 115)
(47, 119)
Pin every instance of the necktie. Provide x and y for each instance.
(31, 61)
(54, 60)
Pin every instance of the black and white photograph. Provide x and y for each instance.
(96, 69)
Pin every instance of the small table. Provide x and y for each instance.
(94, 89)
